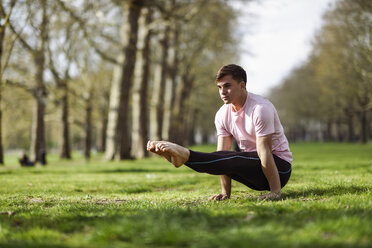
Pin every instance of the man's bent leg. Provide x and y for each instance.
(244, 167)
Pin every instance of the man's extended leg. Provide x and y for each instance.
(244, 167)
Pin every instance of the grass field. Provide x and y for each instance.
(148, 203)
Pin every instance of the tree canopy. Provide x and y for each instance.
(329, 97)
(75, 70)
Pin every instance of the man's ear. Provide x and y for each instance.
(242, 84)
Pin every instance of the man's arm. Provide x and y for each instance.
(224, 144)
(264, 150)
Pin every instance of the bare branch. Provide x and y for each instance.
(53, 68)
(20, 84)
(85, 33)
(6, 61)
(110, 39)
(57, 77)
(7, 16)
(78, 123)
(170, 13)
(3, 26)
(18, 34)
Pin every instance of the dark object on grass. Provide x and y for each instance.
(25, 161)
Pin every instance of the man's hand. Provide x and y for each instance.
(219, 197)
(271, 196)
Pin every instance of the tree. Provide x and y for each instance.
(74, 51)
(4, 18)
(348, 29)
(118, 121)
(205, 44)
(63, 48)
(37, 49)
(339, 72)
(140, 89)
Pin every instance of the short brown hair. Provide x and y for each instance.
(236, 71)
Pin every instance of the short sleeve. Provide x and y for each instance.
(264, 120)
(220, 125)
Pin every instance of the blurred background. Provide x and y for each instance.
(107, 75)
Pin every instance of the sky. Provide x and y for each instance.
(276, 37)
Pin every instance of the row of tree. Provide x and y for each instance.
(329, 97)
(110, 74)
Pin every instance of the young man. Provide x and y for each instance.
(264, 162)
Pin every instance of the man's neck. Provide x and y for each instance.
(241, 101)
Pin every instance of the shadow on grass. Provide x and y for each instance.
(26, 244)
(180, 227)
(130, 170)
(327, 191)
(6, 172)
(92, 171)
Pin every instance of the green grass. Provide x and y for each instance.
(148, 203)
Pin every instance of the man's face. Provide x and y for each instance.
(230, 90)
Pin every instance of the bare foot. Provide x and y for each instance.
(152, 147)
(174, 153)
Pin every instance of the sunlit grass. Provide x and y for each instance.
(148, 203)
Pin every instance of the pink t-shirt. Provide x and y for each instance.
(258, 117)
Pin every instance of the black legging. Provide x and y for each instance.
(244, 167)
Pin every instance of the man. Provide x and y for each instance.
(264, 162)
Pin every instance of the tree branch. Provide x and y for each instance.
(6, 61)
(171, 12)
(53, 68)
(20, 85)
(6, 22)
(85, 33)
(7, 16)
(24, 43)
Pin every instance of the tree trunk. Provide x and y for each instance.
(170, 85)
(126, 83)
(191, 127)
(104, 109)
(140, 89)
(329, 131)
(1, 125)
(38, 148)
(144, 116)
(118, 139)
(88, 126)
(66, 148)
(112, 120)
(339, 132)
(2, 35)
(102, 142)
(369, 127)
(174, 74)
(4, 18)
(205, 137)
(350, 128)
(364, 127)
(157, 104)
(182, 97)
(167, 108)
